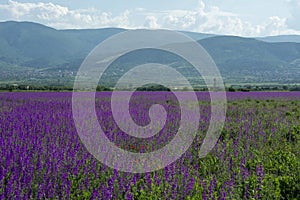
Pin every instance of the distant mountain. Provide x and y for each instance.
(197, 36)
(281, 38)
(35, 45)
(32, 53)
(253, 61)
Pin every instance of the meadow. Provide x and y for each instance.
(257, 155)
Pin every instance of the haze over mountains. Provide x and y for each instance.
(32, 53)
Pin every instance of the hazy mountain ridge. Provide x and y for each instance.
(281, 38)
(31, 53)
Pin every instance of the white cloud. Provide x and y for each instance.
(203, 18)
(40, 10)
(61, 17)
(151, 22)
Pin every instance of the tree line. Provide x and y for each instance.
(154, 87)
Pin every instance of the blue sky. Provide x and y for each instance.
(230, 17)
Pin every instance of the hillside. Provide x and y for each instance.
(32, 53)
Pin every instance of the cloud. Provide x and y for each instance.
(61, 17)
(40, 10)
(203, 18)
(151, 22)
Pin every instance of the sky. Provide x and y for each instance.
(228, 17)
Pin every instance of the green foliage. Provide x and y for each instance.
(102, 88)
(153, 87)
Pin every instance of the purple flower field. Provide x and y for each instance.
(256, 157)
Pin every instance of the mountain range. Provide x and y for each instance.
(32, 53)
